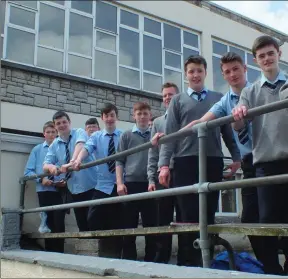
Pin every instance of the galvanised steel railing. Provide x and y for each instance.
(203, 187)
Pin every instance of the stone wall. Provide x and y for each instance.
(64, 92)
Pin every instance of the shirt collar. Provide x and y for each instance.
(280, 76)
(166, 113)
(71, 134)
(45, 144)
(235, 95)
(135, 129)
(190, 91)
(115, 132)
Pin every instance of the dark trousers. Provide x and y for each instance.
(273, 208)
(186, 172)
(250, 211)
(148, 211)
(106, 217)
(55, 220)
(165, 216)
(81, 213)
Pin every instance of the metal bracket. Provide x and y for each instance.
(201, 244)
(203, 187)
(202, 130)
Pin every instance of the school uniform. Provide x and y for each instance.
(250, 213)
(80, 184)
(270, 157)
(47, 196)
(166, 205)
(183, 109)
(105, 217)
(135, 179)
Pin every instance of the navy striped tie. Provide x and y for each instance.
(111, 151)
(67, 153)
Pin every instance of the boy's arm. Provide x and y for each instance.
(153, 158)
(30, 168)
(120, 166)
(50, 161)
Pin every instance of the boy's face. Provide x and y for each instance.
(109, 119)
(91, 128)
(62, 125)
(234, 73)
(50, 134)
(142, 117)
(167, 95)
(196, 74)
(267, 58)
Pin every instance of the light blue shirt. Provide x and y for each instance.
(34, 166)
(280, 76)
(135, 129)
(195, 94)
(223, 108)
(98, 144)
(80, 181)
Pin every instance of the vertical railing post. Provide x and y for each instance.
(22, 199)
(204, 242)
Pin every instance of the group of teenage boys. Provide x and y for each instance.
(256, 145)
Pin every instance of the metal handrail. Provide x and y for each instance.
(202, 187)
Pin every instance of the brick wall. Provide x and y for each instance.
(43, 90)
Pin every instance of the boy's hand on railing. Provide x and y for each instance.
(122, 189)
(64, 168)
(151, 187)
(191, 124)
(233, 167)
(53, 170)
(47, 182)
(164, 176)
(76, 164)
(239, 112)
(156, 138)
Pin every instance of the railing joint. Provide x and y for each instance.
(203, 187)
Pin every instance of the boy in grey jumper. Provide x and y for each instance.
(183, 109)
(134, 170)
(270, 148)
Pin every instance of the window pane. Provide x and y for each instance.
(105, 66)
(152, 54)
(51, 26)
(152, 26)
(84, 6)
(239, 52)
(250, 60)
(50, 59)
(190, 39)
(172, 76)
(172, 37)
(253, 75)
(20, 46)
(188, 52)
(59, 2)
(22, 17)
(1, 47)
(172, 60)
(284, 68)
(79, 66)
(129, 77)
(219, 48)
(80, 34)
(2, 15)
(228, 201)
(129, 19)
(31, 4)
(219, 83)
(106, 17)
(152, 83)
(186, 85)
(129, 48)
(105, 41)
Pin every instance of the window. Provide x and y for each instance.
(219, 49)
(2, 23)
(284, 68)
(98, 40)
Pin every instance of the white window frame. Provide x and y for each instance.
(68, 9)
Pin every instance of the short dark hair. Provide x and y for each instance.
(140, 106)
(231, 57)
(92, 121)
(48, 124)
(195, 59)
(59, 114)
(108, 107)
(264, 41)
(170, 84)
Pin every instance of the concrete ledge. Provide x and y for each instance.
(119, 268)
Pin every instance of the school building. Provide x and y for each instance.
(77, 55)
